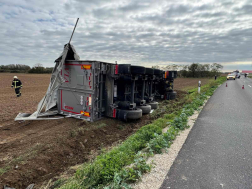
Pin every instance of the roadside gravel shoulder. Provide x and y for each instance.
(163, 162)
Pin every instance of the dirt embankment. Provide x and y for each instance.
(36, 151)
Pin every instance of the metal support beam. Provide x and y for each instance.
(101, 92)
(132, 91)
(143, 89)
(150, 89)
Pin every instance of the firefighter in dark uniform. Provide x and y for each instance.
(17, 84)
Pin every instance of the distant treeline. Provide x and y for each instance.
(194, 70)
(20, 68)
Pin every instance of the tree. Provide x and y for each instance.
(215, 68)
(38, 65)
(171, 67)
(156, 67)
(193, 69)
(14, 68)
(184, 71)
(37, 68)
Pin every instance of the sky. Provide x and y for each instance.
(139, 32)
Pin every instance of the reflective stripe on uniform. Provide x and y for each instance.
(15, 82)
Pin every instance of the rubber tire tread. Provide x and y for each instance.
(137, 70)
(124, 68)
(129, 114)
(134, 114)
(158, 72)
(146, 108)
(172, 95)
(154, 105)
(149, 71)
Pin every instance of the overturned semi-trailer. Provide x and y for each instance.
(91, 90)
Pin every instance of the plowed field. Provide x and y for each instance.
(37, 151)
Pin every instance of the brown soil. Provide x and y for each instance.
(189, 83)
(36, 151)
(34, 88)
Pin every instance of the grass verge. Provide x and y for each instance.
(126, 163)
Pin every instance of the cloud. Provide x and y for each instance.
(245, 9)
(134, 31)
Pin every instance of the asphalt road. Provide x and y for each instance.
(218, 150)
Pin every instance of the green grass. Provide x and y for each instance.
(57, 183)
(73, 133)
(4, 170)
(101, 125)
(110, 170)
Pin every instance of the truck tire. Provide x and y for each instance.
(171, 95)
(124, 68)
(129, 114)
(158, 72)
(137, 69)
(154, 105)
(145, 108)
(123, 105)
(149, 71)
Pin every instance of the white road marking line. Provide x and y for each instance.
(249, 85)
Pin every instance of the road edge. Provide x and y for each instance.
(163, 162)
